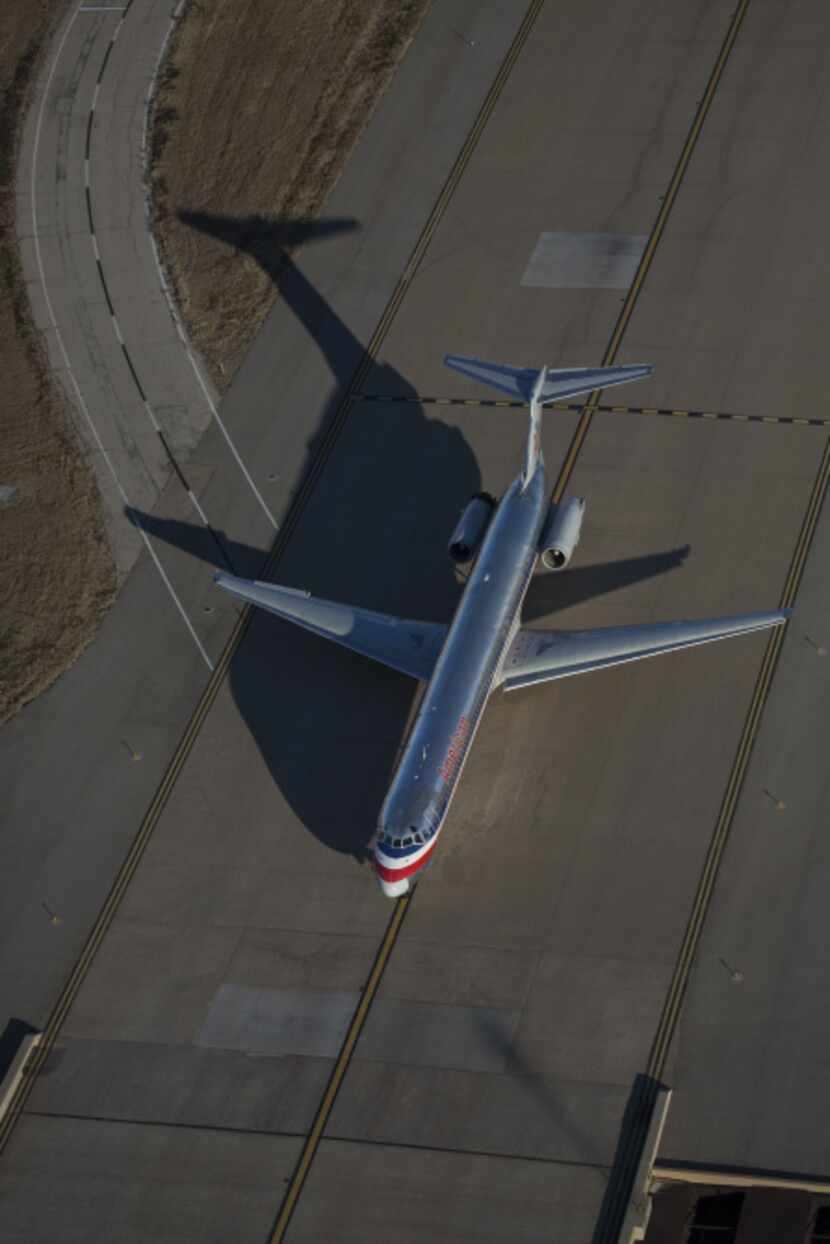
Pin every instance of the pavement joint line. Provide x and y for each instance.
(340, 1068)
(369, 1142)
(670, 411)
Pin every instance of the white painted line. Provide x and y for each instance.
(119, 338)
(95, 96)
(197, 507)
(153, 419)
(54, 324)
(95, 247)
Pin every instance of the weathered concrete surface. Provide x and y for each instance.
(545, 935)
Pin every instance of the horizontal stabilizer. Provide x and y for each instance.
(540, 656)
(519, 382)
(405, 645)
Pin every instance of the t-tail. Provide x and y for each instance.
(538, 388)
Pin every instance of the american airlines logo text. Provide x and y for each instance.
(456, 747)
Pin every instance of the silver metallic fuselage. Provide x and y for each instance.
(485, 622)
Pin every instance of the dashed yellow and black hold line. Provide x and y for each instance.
(670, 412)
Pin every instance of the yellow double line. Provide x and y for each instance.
(340, 1068)
(651, 246)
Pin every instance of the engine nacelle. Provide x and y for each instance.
(469, 531)
(560, 535)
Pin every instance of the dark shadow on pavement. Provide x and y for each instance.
(541, 1091)
(373, 531)
(560, 590)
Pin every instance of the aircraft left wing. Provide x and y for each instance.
(539, 656)
(408, 646)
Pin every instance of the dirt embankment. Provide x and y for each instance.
(258, 108)
(57, 576)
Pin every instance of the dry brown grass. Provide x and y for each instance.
(258, 109)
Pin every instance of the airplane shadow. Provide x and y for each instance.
(328, 723)
(374, 532)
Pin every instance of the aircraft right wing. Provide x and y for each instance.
(539, 656)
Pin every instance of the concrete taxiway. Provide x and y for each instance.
(530, 972)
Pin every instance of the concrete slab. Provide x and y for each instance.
(540, 946)
(181, 1086)
(362, 1192)
(584, 260)
(473, 1038)
(81, 1180)
(748, 1061)
(519, 1112)
(278, 1021)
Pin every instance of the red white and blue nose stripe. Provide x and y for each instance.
(396, 866)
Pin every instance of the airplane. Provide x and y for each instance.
(485, 646)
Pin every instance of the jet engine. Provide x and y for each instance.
(470, 529)
(560, 535)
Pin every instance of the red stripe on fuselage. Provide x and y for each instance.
(397, 874)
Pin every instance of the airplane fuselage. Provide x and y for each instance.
(484, 625)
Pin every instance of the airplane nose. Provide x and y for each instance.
(392, 888)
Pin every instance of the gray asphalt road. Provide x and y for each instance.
(488, 1088)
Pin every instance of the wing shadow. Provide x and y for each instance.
(373, 532)
(548, 593)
